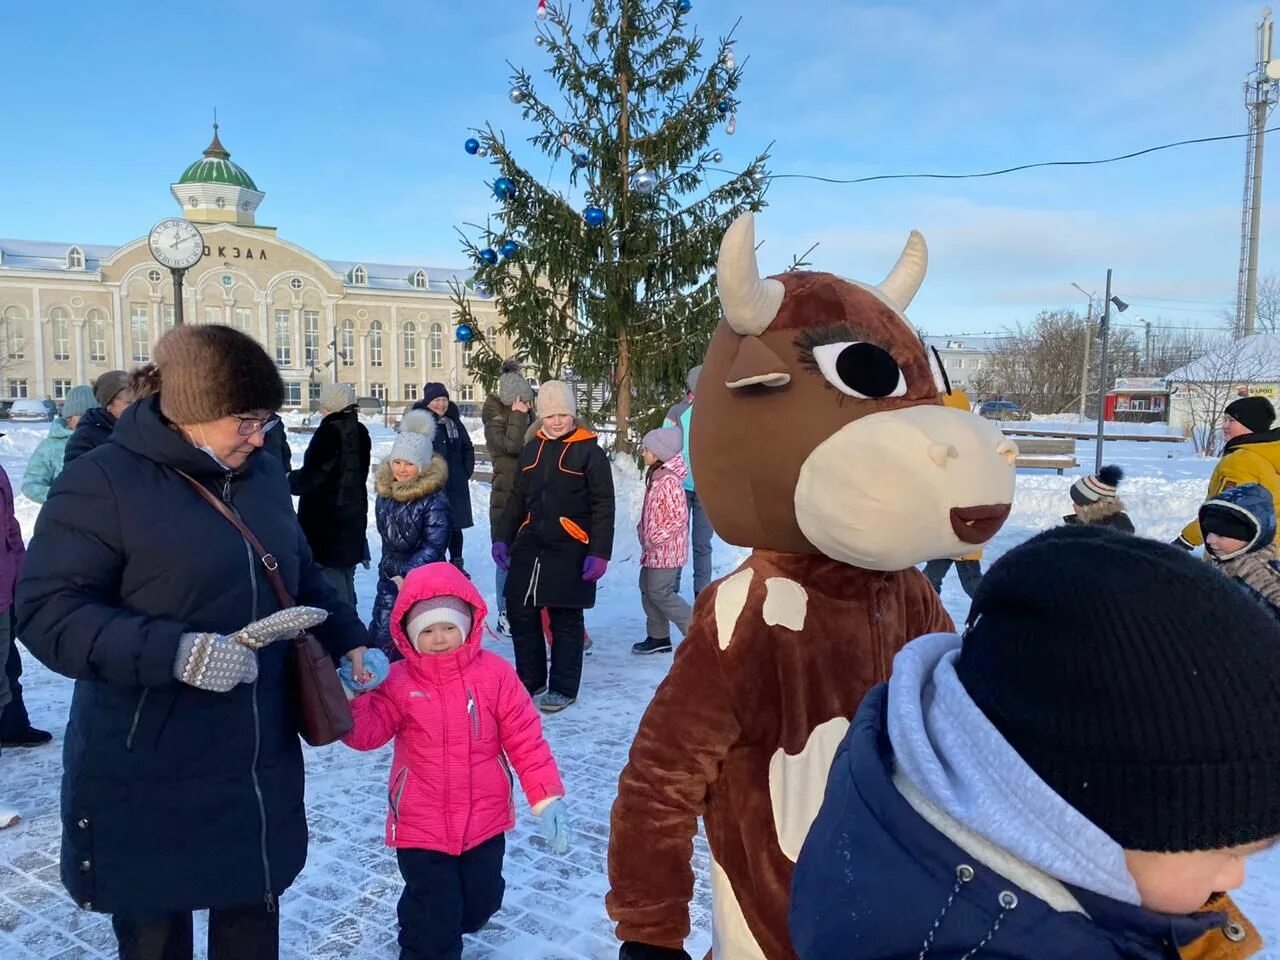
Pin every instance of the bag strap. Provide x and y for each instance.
(268, 562)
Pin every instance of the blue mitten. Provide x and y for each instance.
(555, 826)
(375, 661)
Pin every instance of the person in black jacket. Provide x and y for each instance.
(183, 776)
(111, 391)
(333, 492)
(1095, 500)
(453, 444)
(555, 540)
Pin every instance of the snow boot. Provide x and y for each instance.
(8, 817)
(652, 645)
(553, 702)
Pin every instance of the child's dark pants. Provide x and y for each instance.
(445, 897)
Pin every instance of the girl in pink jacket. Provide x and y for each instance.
(664, 539)
(461, 721)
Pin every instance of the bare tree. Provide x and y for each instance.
(1267, 317)
(1228, 368)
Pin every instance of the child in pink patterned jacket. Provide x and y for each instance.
(461, 720)
(664, 539)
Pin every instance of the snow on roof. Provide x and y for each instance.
(397, 276)
(44, 255)
(972, 344)
(1254, 359)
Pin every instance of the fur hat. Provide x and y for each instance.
(414, 441)
(665, 443)
(337, 396)
(442, 609)
(432, 391)
(208, 372)
(1256, 413)
(1090, 490)
(108, 386)
(513, 386)
(556, 397)
(78, 402)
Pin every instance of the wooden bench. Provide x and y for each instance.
(1016, 432)
(1042, 453)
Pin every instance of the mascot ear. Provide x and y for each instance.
(755, 365)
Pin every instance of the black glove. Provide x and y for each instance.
(1180, 542)
(643, 951)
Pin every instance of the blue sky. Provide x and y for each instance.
(351, 118)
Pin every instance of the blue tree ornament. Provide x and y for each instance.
(489, 255)
(509, 248)
(581, 160)
(504, 188)
(684, 6)
(464, 333)
(472, 146)
(593, 216)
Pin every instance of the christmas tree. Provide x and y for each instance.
(604, 273)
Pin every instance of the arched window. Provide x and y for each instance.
(409, 344)
(466, 352)
(140, 331)
(348, 343)
(419, 279)
(359, 276)
(437, 346)
(61, 333)
(491, 338)
(75, 259)
(13, 333)
(97, 335)
(375, 343)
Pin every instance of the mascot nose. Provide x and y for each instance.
(1009, 450)
(940, 453)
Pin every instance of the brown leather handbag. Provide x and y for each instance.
(324, 713)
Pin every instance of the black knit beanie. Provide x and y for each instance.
(1139, 683)
(1256, 413)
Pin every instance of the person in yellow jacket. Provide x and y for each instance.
(1251, 455)
(969, 567)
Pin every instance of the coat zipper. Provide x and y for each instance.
(137, 715)
(474, 714)
(397, 792)
(269, 896)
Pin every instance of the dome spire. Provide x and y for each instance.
(215, 150)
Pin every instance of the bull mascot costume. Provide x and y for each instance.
(820, 440)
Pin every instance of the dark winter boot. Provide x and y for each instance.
(652, 645)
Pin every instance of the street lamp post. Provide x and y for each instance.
(1121, 307)
(1088, 336)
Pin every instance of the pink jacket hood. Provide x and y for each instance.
(438, 580)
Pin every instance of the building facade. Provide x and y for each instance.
(964, 358)
(69, 312)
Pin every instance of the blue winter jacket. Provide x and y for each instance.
(875, 881)
(414, 524)
(46, 462)
(173, 798)
(1255, 567)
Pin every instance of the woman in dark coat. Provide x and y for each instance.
(506, 415)
(183, 778)
(555, 539)
(333, 492)
(111, 391)
(454, 445)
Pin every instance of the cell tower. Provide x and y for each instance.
(1261, 91)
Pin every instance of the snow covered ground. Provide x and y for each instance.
(343, 905)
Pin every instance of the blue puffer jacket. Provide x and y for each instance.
(46, 462)
(1256, 567)
(413, 521)
(875, 881)
(173, 798)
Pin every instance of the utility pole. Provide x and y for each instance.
(1102, 372)
(1088, 336)
(1260, 94)
(1146, 362)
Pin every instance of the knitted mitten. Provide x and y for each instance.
(213, 662)
(556, 826)
(375, 661)
(285, 623)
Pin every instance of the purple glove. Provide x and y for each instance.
(593, 568)
(501, 554)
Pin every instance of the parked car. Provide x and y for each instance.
(1002, 410)
(30, 411)
(369, 406)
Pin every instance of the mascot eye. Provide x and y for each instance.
(940, 378)
(860, 370)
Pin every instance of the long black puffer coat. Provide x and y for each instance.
(453, 443)
(414, 524)
(173, 798)
(504, 435)
(93, 430)
(332, 487)
(560, 512)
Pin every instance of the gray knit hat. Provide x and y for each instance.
(413, 443)
(79, 401)
(665, 443)
(337, 396)
(207, 372)
(108, 386)
(512, 386)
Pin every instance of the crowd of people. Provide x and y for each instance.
(184, 688)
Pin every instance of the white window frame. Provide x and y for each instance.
(214, 315)
(242, 319)
(359, 276)
(378, 391)
(420, 280)
(17, 388)
(292, 393)
(14, 333)
(311, 338)
(375, 343)
(97, 323)
(284, 338)
(467, 393)
(410, 392)
(60, 323)
(75, 259)
(348, 343)
(437, 346)
(61, 387)
(140, 332)
(409, 344)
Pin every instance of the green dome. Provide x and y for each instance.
(216, 167)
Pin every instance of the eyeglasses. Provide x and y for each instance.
(248, 426)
